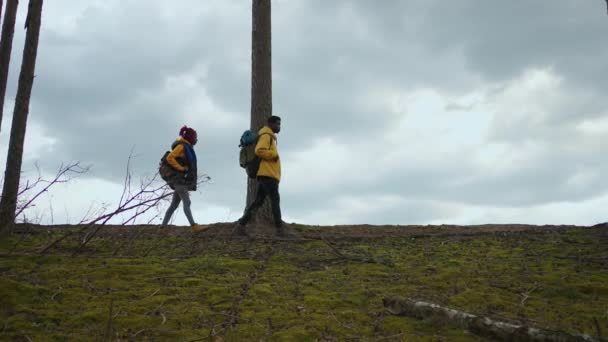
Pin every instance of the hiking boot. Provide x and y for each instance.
(199, 228)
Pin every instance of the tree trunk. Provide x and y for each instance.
(6, 46)
(12, 173)
(261, 87)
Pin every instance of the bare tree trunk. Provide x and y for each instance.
(6, 46)
(261, 86)
(12, 173)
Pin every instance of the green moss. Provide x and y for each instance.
(186, 289)
(14, 293)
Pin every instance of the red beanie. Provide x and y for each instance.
(188, 133)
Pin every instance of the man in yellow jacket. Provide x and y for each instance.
(268, 176)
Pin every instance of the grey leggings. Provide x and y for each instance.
(180, 194)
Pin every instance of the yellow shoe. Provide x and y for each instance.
(199, 228)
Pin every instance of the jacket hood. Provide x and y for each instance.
(265, 130)
(180, 140)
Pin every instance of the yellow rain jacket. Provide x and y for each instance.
(178, 154)
(266, 149)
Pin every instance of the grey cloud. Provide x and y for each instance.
(501, 39)
(101, 89)
(542, 177)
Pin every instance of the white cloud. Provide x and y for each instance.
(577, 213)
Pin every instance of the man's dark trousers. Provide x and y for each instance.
(267, 186)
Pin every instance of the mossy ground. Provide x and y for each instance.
(196, 287)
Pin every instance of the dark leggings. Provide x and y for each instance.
(180, 195)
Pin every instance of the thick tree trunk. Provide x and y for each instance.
(14, 158)
(261, 86)
(6, 46)
(484, 326)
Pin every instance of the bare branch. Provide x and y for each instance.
(62, 176)
(151, 193)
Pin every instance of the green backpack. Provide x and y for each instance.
(247, 157)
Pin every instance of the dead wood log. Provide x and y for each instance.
(483, 326)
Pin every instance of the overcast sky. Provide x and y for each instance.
(408, 112)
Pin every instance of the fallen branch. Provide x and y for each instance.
(526, 294)
(392, 337)
(57, 293)
(338, 253)
(24, 202)
(484, 326)
(108, 333)
(142, 330)
(598, 330)
(62, 176)
(153, 294)
(150, 194)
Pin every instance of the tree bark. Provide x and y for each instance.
(6, 46)
(484, 326)
(261, 87)
(12, 173)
